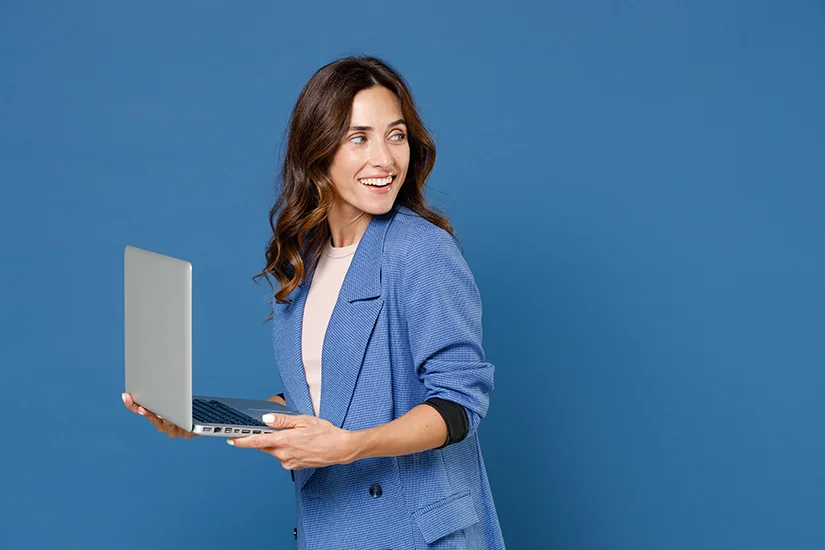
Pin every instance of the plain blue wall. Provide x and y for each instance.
(639, 187)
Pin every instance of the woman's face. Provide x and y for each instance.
(371, 162)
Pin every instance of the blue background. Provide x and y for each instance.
(641, 184)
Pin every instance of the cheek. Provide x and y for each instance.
(344, 168)
(403, 157)
(404, 161)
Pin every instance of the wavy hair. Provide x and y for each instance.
(317, 125)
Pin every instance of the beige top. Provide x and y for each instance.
(323, 293)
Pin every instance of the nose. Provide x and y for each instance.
(381, 155)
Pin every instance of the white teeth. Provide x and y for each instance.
(377, 182)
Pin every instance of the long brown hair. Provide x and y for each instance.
(317, 125)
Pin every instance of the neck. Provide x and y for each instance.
(347, 229)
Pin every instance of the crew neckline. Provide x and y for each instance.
(340, 252)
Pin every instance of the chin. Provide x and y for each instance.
(379, 209)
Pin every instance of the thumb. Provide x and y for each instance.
(280, 421)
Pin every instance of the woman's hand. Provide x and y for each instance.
(162, 425)
(302, 442)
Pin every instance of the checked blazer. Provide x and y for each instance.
(406, 327)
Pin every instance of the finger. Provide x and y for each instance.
(172, 430)
(283, 421)
(282, 455)
(254, 441)
(138, 409)
(143, 411)
(129, 403)
(286, 459)
(168, 428)
(183, 433)
(156, 420)
(158, 423)
(150, 416)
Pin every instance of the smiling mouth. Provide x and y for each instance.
(377, 182)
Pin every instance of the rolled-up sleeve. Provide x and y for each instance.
(442, 307)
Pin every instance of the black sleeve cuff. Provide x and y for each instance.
(455, 417)
(281, 396)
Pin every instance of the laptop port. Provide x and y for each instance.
(244, 431)
(256, 431)
(217, 430)
(237, 430)
(207, 429)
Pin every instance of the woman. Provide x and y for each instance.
(385, 453)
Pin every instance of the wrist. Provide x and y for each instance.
(357, 445)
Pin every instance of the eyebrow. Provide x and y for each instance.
(370, 128)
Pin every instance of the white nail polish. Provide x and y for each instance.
(267, 418)
(123, 396)
(141, 412)
(230, 442)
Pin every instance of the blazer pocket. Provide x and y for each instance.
(446, 516)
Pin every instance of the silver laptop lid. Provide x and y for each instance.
(158, 333)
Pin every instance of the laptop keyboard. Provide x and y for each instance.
(215, 412)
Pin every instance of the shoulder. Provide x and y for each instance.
(411, 237)
(415, 248)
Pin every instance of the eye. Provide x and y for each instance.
(354, 139)
(398, 137)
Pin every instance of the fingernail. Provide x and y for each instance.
(142, 411)
(159, 416)
(123, 396)
(230, 442)
(267, 418)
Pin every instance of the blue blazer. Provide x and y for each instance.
(406, 327)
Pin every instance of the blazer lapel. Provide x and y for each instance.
(352, 322)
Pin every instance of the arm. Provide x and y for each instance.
(421, 429)
(442, 308)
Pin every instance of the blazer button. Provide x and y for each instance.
(376, 491)
(295, 533)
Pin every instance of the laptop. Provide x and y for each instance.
(158, 346)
